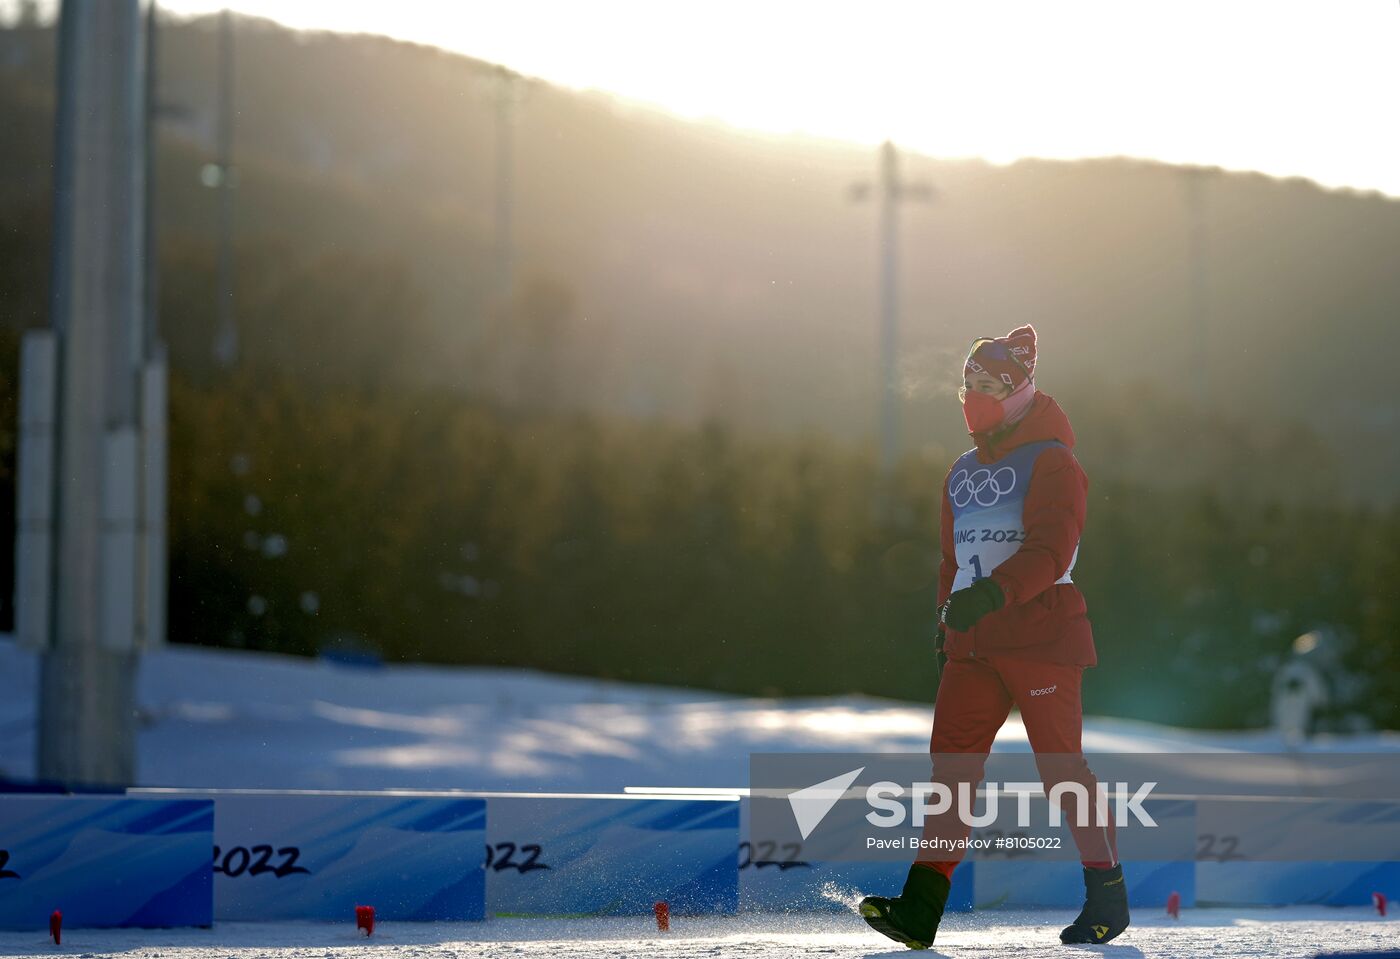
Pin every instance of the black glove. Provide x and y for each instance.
(967, 606)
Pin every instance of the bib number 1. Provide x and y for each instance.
(977, 573)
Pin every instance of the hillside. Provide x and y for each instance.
(676, 269)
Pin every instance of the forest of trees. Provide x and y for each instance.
(418, 526)
(573, 476)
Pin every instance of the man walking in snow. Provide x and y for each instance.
(1015, 629)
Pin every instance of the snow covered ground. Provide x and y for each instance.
(1296, 931)
(220, 718)
(227, 719)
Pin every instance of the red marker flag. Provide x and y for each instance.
(364, 919)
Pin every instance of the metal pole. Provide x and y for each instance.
(505, 104)
(86, 715)
(149, 242)
(226, 341)
(155, 567)
(892, 192)
(1196, 205)
(889, 307)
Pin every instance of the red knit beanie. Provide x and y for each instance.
(1009, 358)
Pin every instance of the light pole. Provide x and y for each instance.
(226, 339)
(507, 94)
(1197, 256)
(891, 190)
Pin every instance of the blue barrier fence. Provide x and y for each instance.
(105, 861)
(191, 857)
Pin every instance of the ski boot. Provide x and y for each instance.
(912, 918)
(1105, 912)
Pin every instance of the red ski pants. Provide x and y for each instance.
(974, 698)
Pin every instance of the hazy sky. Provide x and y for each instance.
(1282, 86)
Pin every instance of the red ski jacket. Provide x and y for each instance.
(1042, 620)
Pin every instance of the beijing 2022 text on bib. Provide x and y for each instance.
(987, 501)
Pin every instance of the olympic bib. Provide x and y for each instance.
(988, 500)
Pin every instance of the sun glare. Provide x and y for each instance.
(1287, 88)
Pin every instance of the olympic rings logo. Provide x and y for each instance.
(983, 486)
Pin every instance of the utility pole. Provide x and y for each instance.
(892, 190)
(151, 316)
(1197, 254)
(507, 96)
(154, 571)
(226, 340)
(77, 548)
